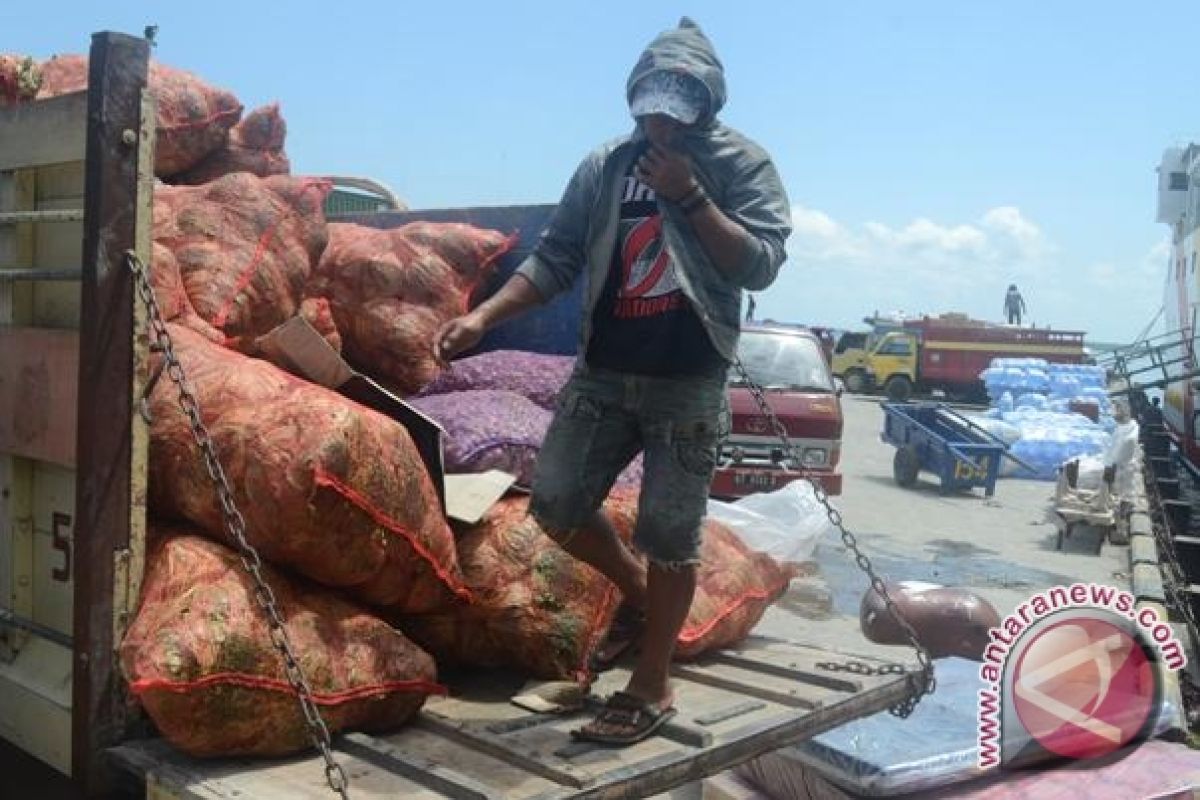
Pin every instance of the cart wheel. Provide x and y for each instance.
(905, 466)
(856, 381)
(898, 389)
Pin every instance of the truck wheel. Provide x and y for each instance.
(856, 381)
(898, 388)
(905, 466)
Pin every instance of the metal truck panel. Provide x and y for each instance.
(35, 701)
(959, 361)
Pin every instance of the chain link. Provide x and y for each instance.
(920, 682)
(235, 526)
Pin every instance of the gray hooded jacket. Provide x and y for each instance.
(737, 174)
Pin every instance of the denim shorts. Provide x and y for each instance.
(603, 420)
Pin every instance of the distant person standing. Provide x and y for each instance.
(750, 308)
(1014, 305)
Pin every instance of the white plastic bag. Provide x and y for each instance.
(786, 524)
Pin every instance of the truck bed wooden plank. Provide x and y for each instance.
(478, 745)
(44, 132)
(39, 393)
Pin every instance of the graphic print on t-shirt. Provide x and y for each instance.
(648, 283)
(644, 323)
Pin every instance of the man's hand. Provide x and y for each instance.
(667, 172)
(458, 335)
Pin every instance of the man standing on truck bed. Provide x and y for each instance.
(1014, 305)
(668, 226)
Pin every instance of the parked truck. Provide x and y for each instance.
(74, 354)
(947, 354)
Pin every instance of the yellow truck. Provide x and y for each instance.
(946, 353)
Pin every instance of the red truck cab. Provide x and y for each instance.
(788, 363)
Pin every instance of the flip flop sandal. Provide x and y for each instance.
(624, 634)
(639, 718)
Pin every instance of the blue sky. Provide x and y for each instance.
(933, 152)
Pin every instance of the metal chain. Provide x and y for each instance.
(235, 526)
(921, 682)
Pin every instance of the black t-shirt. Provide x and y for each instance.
(643, 322)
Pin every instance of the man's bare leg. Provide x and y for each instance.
(668, 600)
(597, 544)
(669, 592)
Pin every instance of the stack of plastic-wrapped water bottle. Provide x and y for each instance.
(1031, 410)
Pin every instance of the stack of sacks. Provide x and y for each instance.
(496, 408)
(194, 117)
(1037, 384)
(1048, 438)
(1031, 410)
(328, 488)
(199, 656)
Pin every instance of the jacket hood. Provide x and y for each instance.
(684, 49)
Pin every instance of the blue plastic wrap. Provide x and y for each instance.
(885, 756)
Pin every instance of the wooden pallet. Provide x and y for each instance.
(475, 744)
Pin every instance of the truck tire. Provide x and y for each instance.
(856, 381)
(898, 388)
(905, 466)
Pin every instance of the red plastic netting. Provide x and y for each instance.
(255, 145)
(199, 656)
(328, 487)
(244, 248)
(194, 117)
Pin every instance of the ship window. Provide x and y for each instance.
(1179, 182)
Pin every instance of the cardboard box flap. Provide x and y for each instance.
(298, 347)
(468, 497)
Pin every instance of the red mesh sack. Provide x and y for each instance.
(194, 117)
(392, 289)
(734, 586)
(244, 247)
(199, 657)
(255, 145)
(536, 609)
(328, 487)
(20, 79)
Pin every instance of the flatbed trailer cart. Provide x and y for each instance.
(932, 437)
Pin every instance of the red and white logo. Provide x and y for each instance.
(1084, 687)
(1075, 672)
(646, 262)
